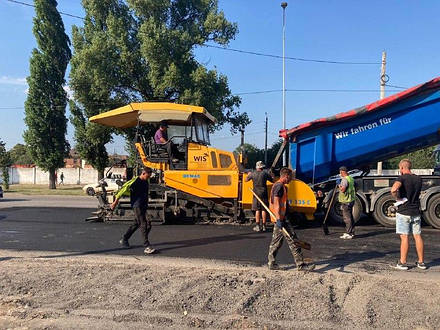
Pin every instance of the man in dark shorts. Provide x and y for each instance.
(137, 188)
(406, 190)
(259, 179)
(279, 206)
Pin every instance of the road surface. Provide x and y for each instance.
(56, 223)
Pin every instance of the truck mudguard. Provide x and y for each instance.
(427, 194)
(377, 195)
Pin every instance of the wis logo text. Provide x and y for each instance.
(201, 158)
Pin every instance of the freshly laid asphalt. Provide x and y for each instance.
(57, 224)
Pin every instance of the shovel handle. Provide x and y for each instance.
(296, 241)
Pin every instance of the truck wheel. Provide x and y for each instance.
(432, 213)
(90, 191)
(385, 211)
(336, 212)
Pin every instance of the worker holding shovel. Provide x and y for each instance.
(282, 227)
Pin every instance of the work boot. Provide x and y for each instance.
(273, 266)
(124, 243)
(306, 267)
(149, 250)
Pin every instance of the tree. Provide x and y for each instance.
(5, 162)
(253, 153)
(46, 102)
(272, 153)
(423, 158)
(90, 139)
(134, 50)
(20, 155)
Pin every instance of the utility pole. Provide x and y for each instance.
(284, 5)
(383, 81)
(265, 140)
(242, 137)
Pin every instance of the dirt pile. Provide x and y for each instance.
(126, 292)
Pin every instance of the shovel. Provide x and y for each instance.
(296, 241)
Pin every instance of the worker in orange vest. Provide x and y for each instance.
(278, 206)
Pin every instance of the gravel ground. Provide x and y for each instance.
(39, 290)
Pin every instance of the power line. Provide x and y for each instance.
(292, 58)
(244, 93)
(393, 86)
(237, 50)
(316, 90)
(30, 5)
(260, 92)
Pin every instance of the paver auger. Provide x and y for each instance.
(197, 181)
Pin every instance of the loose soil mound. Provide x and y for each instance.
(71, 292)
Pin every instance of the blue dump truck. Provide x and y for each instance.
(402, 123)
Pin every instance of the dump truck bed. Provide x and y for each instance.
(401, 123)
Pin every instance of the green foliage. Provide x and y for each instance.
(5, 162)
(136, 50)
(20, 155)
(423, 158)
(253, 154)
(46, 102)
(105, 63)
(90, 139)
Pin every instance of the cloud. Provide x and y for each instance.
(5, 80)
(66, 88)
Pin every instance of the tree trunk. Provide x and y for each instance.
(100, 174)
(52, 179)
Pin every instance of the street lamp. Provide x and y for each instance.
(284, 5)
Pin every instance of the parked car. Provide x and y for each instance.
(112, 185)
(1, 192)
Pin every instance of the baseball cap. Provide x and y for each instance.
(163, 124)
(260, 164)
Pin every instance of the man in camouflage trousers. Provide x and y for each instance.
(278, 206)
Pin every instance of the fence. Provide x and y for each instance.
(34, 175)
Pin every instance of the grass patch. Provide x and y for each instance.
(43, 189)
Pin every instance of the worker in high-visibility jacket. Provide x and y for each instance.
(137, 189)
(346, 198)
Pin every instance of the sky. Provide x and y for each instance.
(343, 30)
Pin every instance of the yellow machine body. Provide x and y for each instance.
(203, 158)
(209, 173)
(205, 184)
(301, 197)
